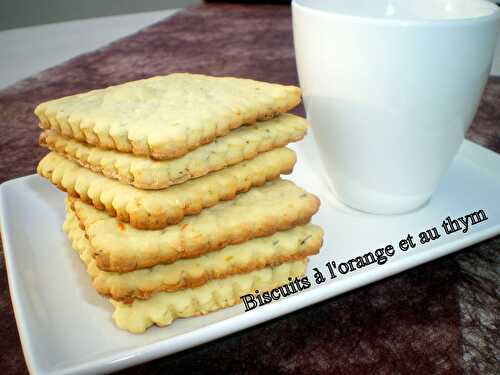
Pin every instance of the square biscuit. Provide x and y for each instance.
(262, 211)
(144, 173)
(155, 209)
(293, 244)
(164, 307)
(165, 117)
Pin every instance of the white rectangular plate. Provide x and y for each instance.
(65, 327)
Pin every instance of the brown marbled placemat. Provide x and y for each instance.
(442, 317)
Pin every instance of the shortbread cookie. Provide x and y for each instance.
(155, 209)
(241, 144)
(281, 247)
(278, 205)
(164, 307)
(167, 116)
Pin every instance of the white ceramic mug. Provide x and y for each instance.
(390, 87)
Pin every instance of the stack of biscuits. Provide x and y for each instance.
(174, 196)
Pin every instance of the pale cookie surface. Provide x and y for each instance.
(164, 117)
(155, 209)
(281, 247)
(241, 144)
(162, 308)
(262, 211)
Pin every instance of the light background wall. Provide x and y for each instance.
(21, 13)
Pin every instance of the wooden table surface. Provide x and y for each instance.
(447, 321)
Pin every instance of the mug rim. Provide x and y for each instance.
(404, 22)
